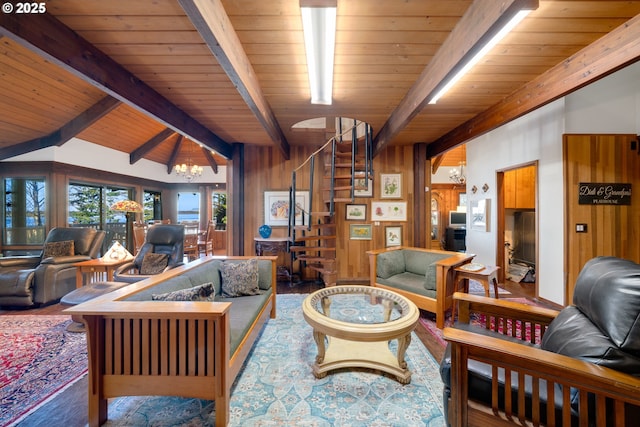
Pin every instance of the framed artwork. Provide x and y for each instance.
(393, 236)
(388, 211)
(356, 212)
(360, 231)
(480, 214)
(276, 207)
(390, 186)
(363, 187)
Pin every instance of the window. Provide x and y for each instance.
(219, 209)
(152, 205)
(188, 207)
(89, 207)
(24, 211)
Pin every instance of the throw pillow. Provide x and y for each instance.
(390, 263)
(239, 278)
(203, 292)
(55, 249)
(153, 263)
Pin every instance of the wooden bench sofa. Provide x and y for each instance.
(138, 346)
(425, 276)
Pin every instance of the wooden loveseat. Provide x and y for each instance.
(425, 276)
(519, 364)
(138, 346)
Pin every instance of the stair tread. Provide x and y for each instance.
(315, 226)
(346, 176)
(320, 237)
(311, 248)
(314, 258)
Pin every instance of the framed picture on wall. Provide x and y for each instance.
(388, 211)
(356, 213)
(360, 231)
(393, 236)
(480, 214)
(363, 187)
(276, 207)
(390, 186)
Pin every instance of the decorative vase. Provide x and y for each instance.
(265, 231)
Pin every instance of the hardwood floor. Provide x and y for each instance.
(69, 408)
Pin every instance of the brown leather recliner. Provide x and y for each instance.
(26, 281)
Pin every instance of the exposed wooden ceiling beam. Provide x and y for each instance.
(435, 163)
(66, 132)
(480, 18)
(213, 24)
(212, 162)
(174, 154)
(158, 139)
(607, 55)
(55, 41)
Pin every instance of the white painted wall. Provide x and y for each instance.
(89, 155)
(611, 105)
(538, 136)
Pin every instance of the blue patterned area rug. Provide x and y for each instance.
(277, 388)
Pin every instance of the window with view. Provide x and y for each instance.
(89, 207)
(188, 207)
(24, 211)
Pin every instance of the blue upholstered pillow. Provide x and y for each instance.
(204, 292)
(239, 278)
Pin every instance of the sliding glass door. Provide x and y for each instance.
(89, 207)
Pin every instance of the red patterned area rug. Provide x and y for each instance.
(38, 360)
(428, 320)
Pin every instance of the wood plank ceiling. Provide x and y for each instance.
(135, 75)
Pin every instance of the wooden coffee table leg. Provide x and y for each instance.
(319, 338)
(403, 345)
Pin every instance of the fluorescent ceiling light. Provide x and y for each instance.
(511, 24)
(319, 26)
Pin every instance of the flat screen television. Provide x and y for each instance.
(457, 219)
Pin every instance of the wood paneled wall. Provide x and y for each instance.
(265, 170)
(448, 198)
(611, 230)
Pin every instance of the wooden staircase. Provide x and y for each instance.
(346, 166)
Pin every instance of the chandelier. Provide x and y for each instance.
(189, 170)
(457, 175)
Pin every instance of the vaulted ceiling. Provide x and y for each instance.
(150, 77)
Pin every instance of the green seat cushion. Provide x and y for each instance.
(243, 312)
(409, 282)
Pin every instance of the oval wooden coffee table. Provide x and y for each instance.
(353, 326)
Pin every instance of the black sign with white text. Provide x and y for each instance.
(598, 193)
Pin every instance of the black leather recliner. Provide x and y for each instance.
(165, 239)
(602, 327)
(26, 281)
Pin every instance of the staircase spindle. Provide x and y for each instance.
(312, 167)
(332, 191)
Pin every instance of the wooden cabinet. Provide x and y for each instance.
(520, 188)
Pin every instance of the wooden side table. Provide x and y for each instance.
(275, 246)
(486, 276)
(95, 270)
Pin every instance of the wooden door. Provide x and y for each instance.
(611, 230)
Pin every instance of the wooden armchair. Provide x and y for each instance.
(506, 357)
